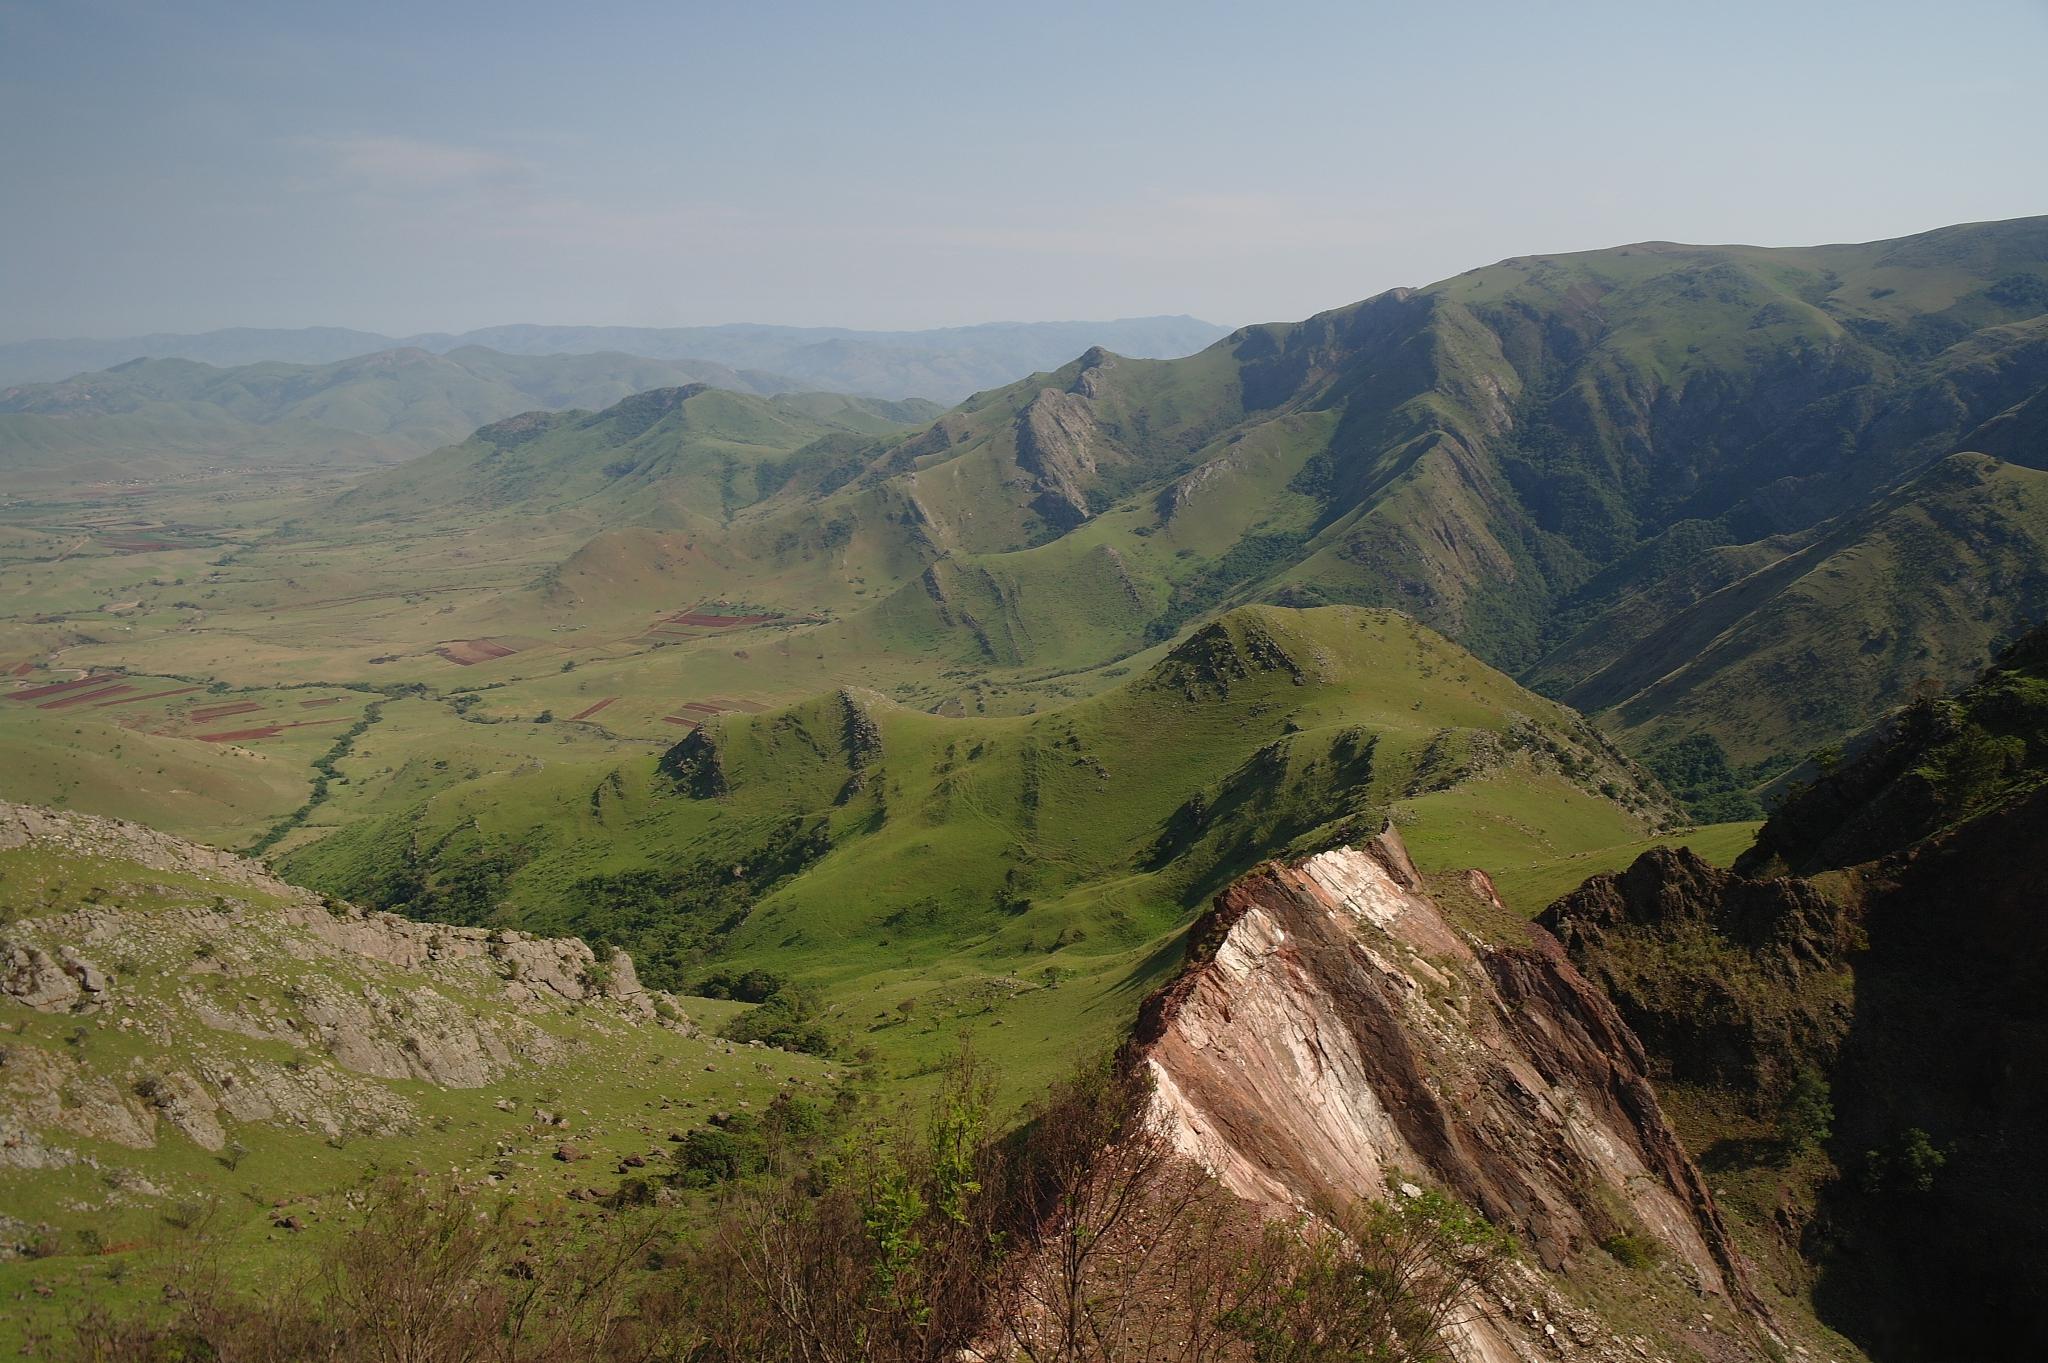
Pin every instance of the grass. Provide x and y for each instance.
(1530, 887)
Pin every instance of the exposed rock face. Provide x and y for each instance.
(1334, 1036)
(21, 825)
(1190, 487)
(694, 766)
(861, 738)
(65, 982)
(1214, 656)
(1056, 444)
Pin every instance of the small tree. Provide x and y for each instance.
(1806, 1116)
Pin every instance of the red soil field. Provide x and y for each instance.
(678, 719)
(752, 707)
(591, 710)
(23, 669)
(153, 695)
(221, 711)
(469, 652)
(325, 700)
(267, 731)
(57, 688)
(698, 707)
(704, 621)
(81, 697)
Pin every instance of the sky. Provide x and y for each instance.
(442, 166)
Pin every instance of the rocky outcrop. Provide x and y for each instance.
(1175, 496)
(861, 740)
(212, 951)
(65, 982)
(1910, 995)
(1056, 444)
(90, 835)
(1764, 990)
(1334, 1037)
(1235, 649)
(694, 766)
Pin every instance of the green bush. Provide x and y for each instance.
(1633, 1252)
(788, 1019)
(1806, 1116)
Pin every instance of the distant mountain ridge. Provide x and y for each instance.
(152, 417)
(943, 364)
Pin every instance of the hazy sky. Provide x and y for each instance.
(402, 167)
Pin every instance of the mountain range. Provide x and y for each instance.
(942, 364)
(1730, 496)
(162, 417)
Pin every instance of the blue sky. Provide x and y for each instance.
(403, 167)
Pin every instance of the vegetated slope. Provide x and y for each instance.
(1587, 468)
(943, 364)
(1334, 1037)
(887, 854)
(1884, 603)
(152, 416)
(189, 1039)
(1862, 1038)
(691, 455)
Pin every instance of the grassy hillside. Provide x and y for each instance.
(1733, 502)
(693, 454)
(1632, 478)
(191, 1044)
(1579, 466)
(921, 870)
(1882, 605)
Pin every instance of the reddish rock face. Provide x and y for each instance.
(1334, 1036)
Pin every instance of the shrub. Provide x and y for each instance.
(1806, 1116)
(1636, 1252)
(788, 1019)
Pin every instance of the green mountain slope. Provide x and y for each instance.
(1884, 601)
(1548, 459)
(868, 848)
(691, 454)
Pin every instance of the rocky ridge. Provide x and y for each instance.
(1335, 1037)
